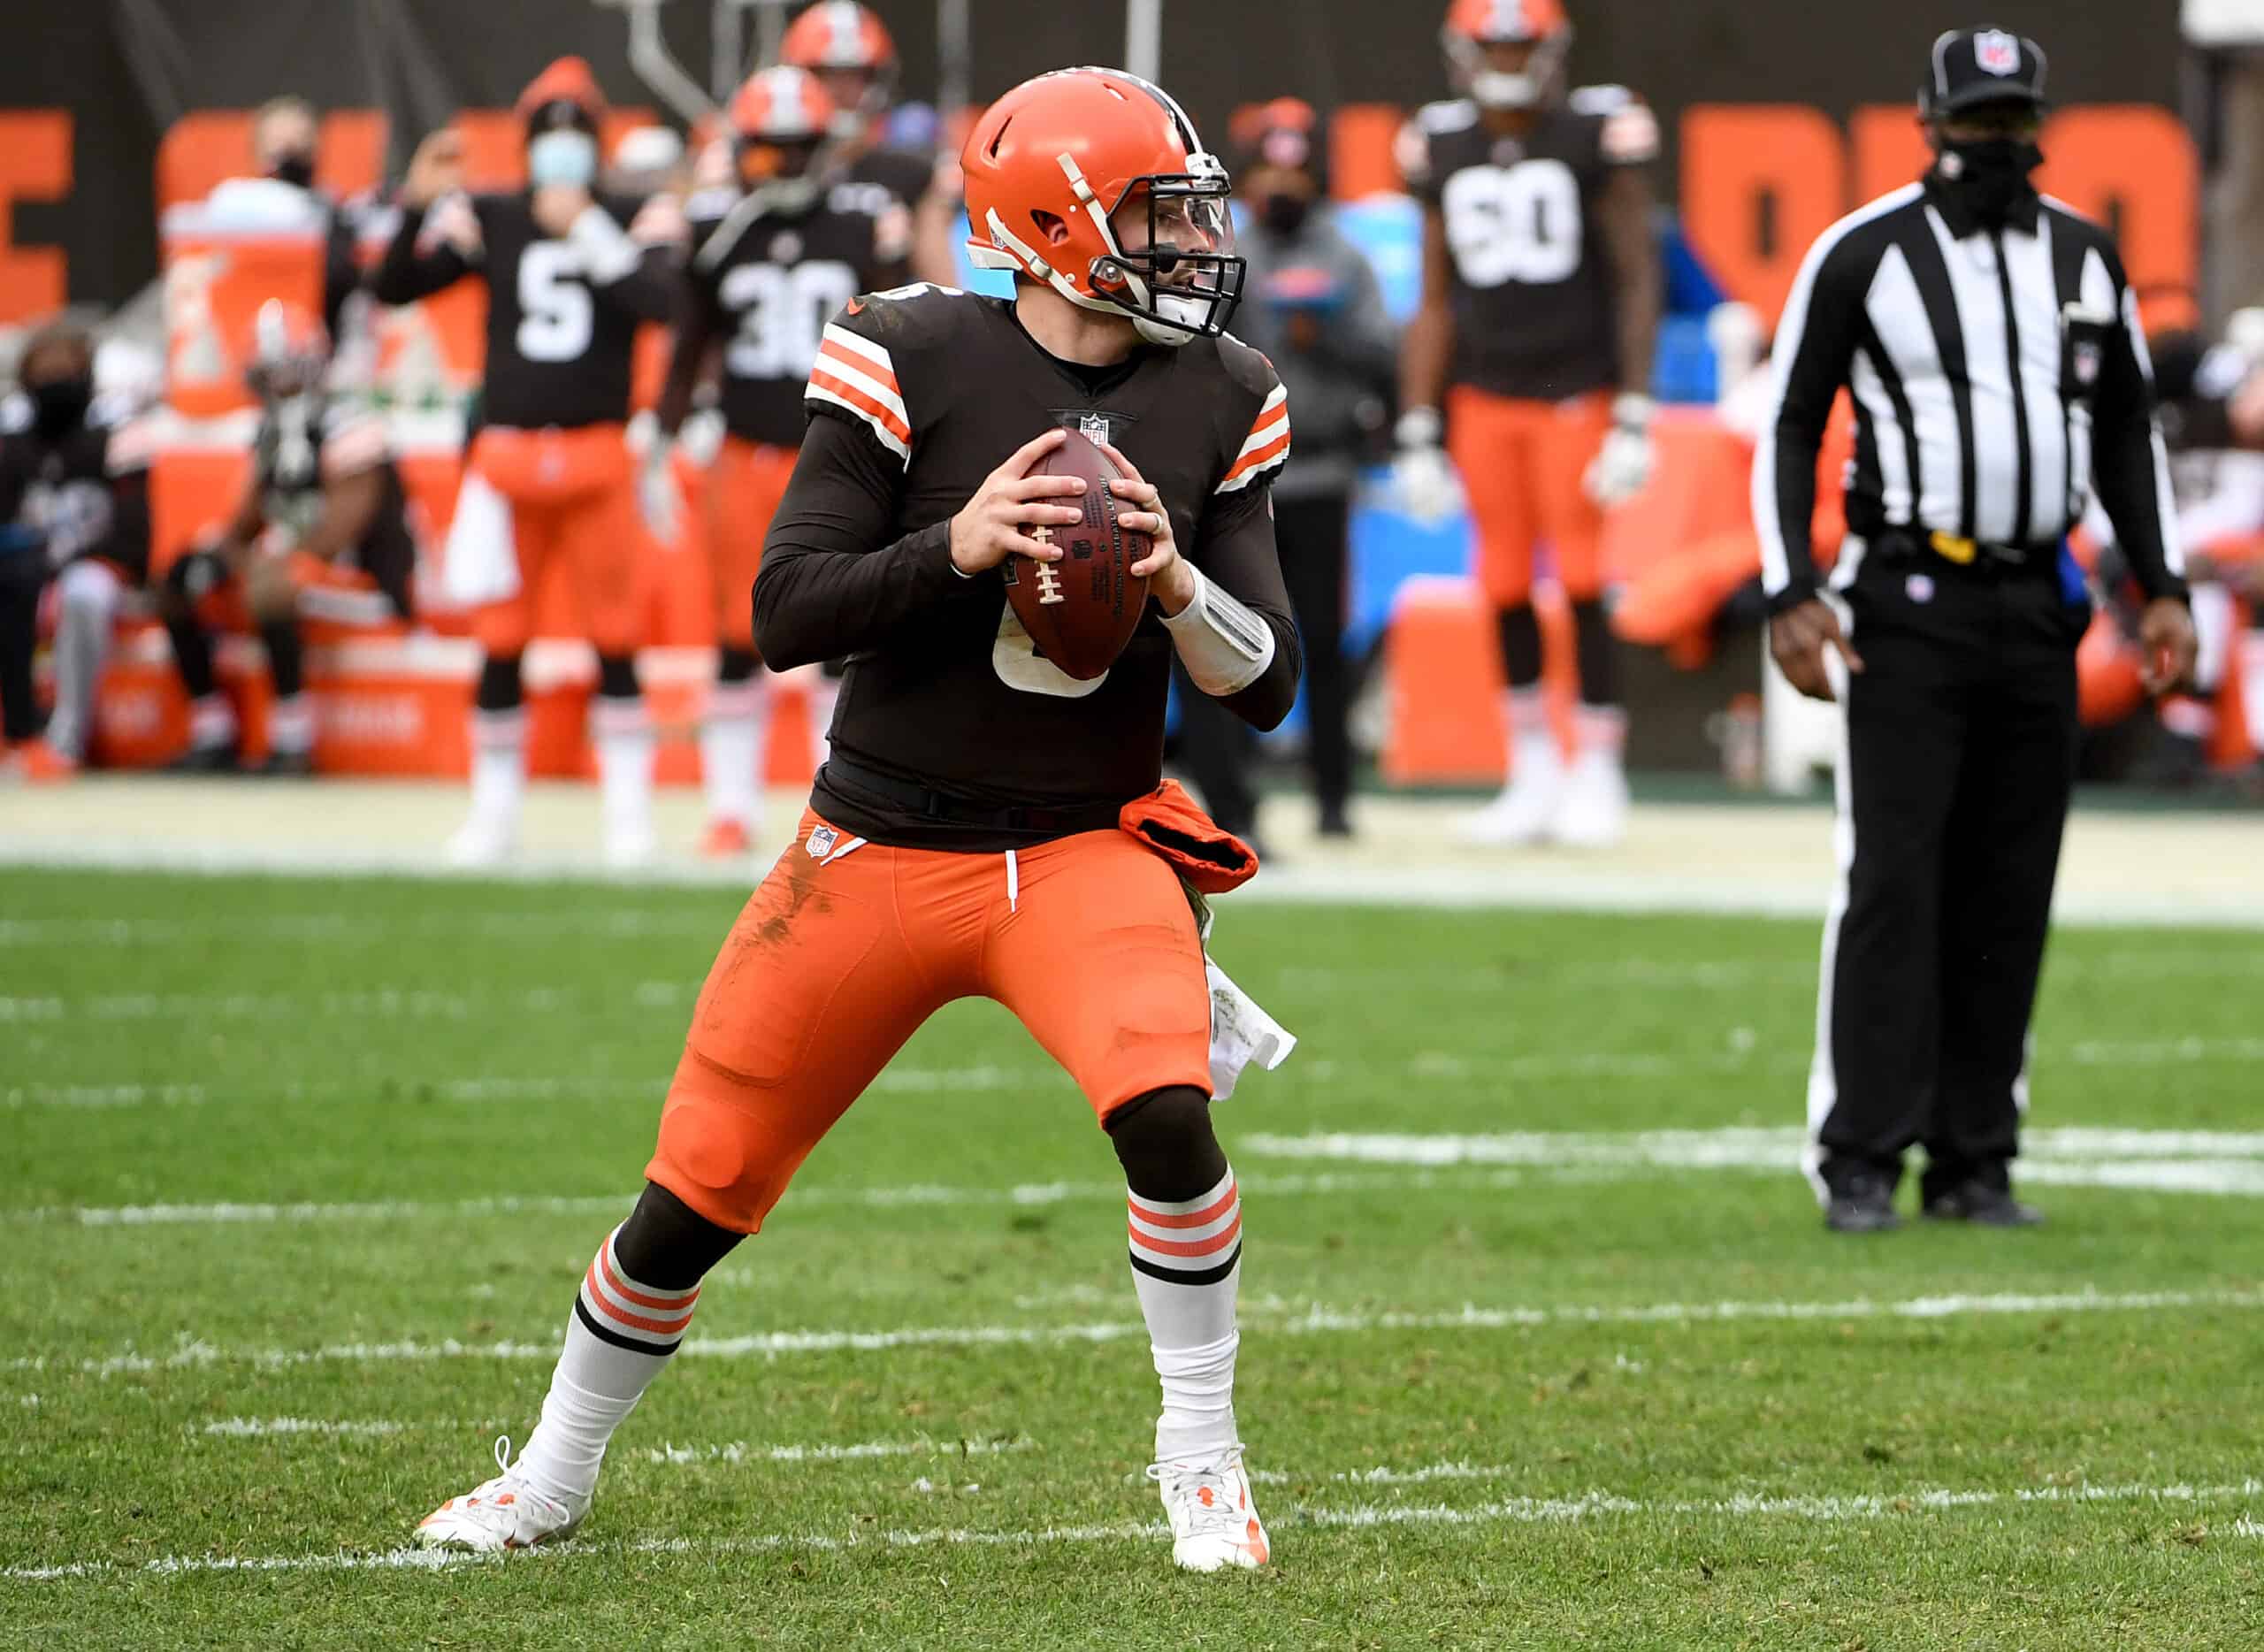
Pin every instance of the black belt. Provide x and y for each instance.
(1979, 556)
(946, 808)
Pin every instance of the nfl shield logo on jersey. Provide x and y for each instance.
(1093, 427)
(822, 841)
(1996, 52)
(2086, 359)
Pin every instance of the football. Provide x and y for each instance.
(1081, 610)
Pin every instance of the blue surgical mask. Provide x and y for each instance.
(563, 156)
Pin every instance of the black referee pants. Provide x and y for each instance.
(1953, 791)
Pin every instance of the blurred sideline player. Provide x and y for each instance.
(772, 261)
(965, 837)
(850, 51)
(549, 488)
(75, 510)
(322, 536)
(1542, 291)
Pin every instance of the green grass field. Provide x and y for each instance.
(299, 1177)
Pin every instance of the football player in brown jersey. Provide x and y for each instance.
(321, 540)
(773, 260)
(1530, 359)
(850, 51)
(976, 829)
(548, 483)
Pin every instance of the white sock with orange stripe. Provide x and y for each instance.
(618, 1339)
(1186, 1268)
(731, 750)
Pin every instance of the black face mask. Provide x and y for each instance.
(59, 406)
(1284, 214)
(296, 169)
(1989, 175)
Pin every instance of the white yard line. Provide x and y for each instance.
(741, 1451)
(918, 1080)
(1027, 1194)
(670, 1455)
(142, 930)
(2211, 1161)
(1312, 1320)
(1591, 1506)
(1531, 884)
(383, 1003)
(2170, 1161)
(1433, 1067)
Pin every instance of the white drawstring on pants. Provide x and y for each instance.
(1014, 882)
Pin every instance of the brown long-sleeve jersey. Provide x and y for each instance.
(918, 395)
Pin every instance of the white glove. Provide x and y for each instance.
(1623, 464)
(1422, 476)
(656, 491)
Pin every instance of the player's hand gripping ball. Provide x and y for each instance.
(1069, 566)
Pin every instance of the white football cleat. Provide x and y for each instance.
(499, 1514)
(1528, 806)
(483, 840)
(1214, 1521)
(1593, 813)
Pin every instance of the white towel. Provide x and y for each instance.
(481, 562)
(1241, 1033)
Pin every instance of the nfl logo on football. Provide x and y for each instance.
(1996, 52)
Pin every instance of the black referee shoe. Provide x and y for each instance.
(1982, 1204)
(1864, 1205)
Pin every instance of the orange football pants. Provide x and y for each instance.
(1522, 465)
(573, 499)
(743, 489)
(848, 946)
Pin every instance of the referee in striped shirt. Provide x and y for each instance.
(1992, 350)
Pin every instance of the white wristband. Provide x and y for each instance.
(1633, 410)
(612, 254)
(1418, 427)
(1224, 644)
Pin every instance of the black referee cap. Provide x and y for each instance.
(1972, 67)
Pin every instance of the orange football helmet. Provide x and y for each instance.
(1049, 163)
(287, 352)
(849, 48)
(567, 81)
(1472, 25)
(781, 122)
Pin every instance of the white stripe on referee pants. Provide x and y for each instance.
(1823, 1075)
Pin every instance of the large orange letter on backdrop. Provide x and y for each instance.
(2133, 167)
(34, 165)
(1739, 160)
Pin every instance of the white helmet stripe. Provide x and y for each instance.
(843, 17)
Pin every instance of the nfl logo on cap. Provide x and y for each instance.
(1996, 52)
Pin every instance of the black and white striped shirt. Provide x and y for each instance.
(1999, 376)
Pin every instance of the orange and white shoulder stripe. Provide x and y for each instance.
(1266, 446)
(857, 374)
